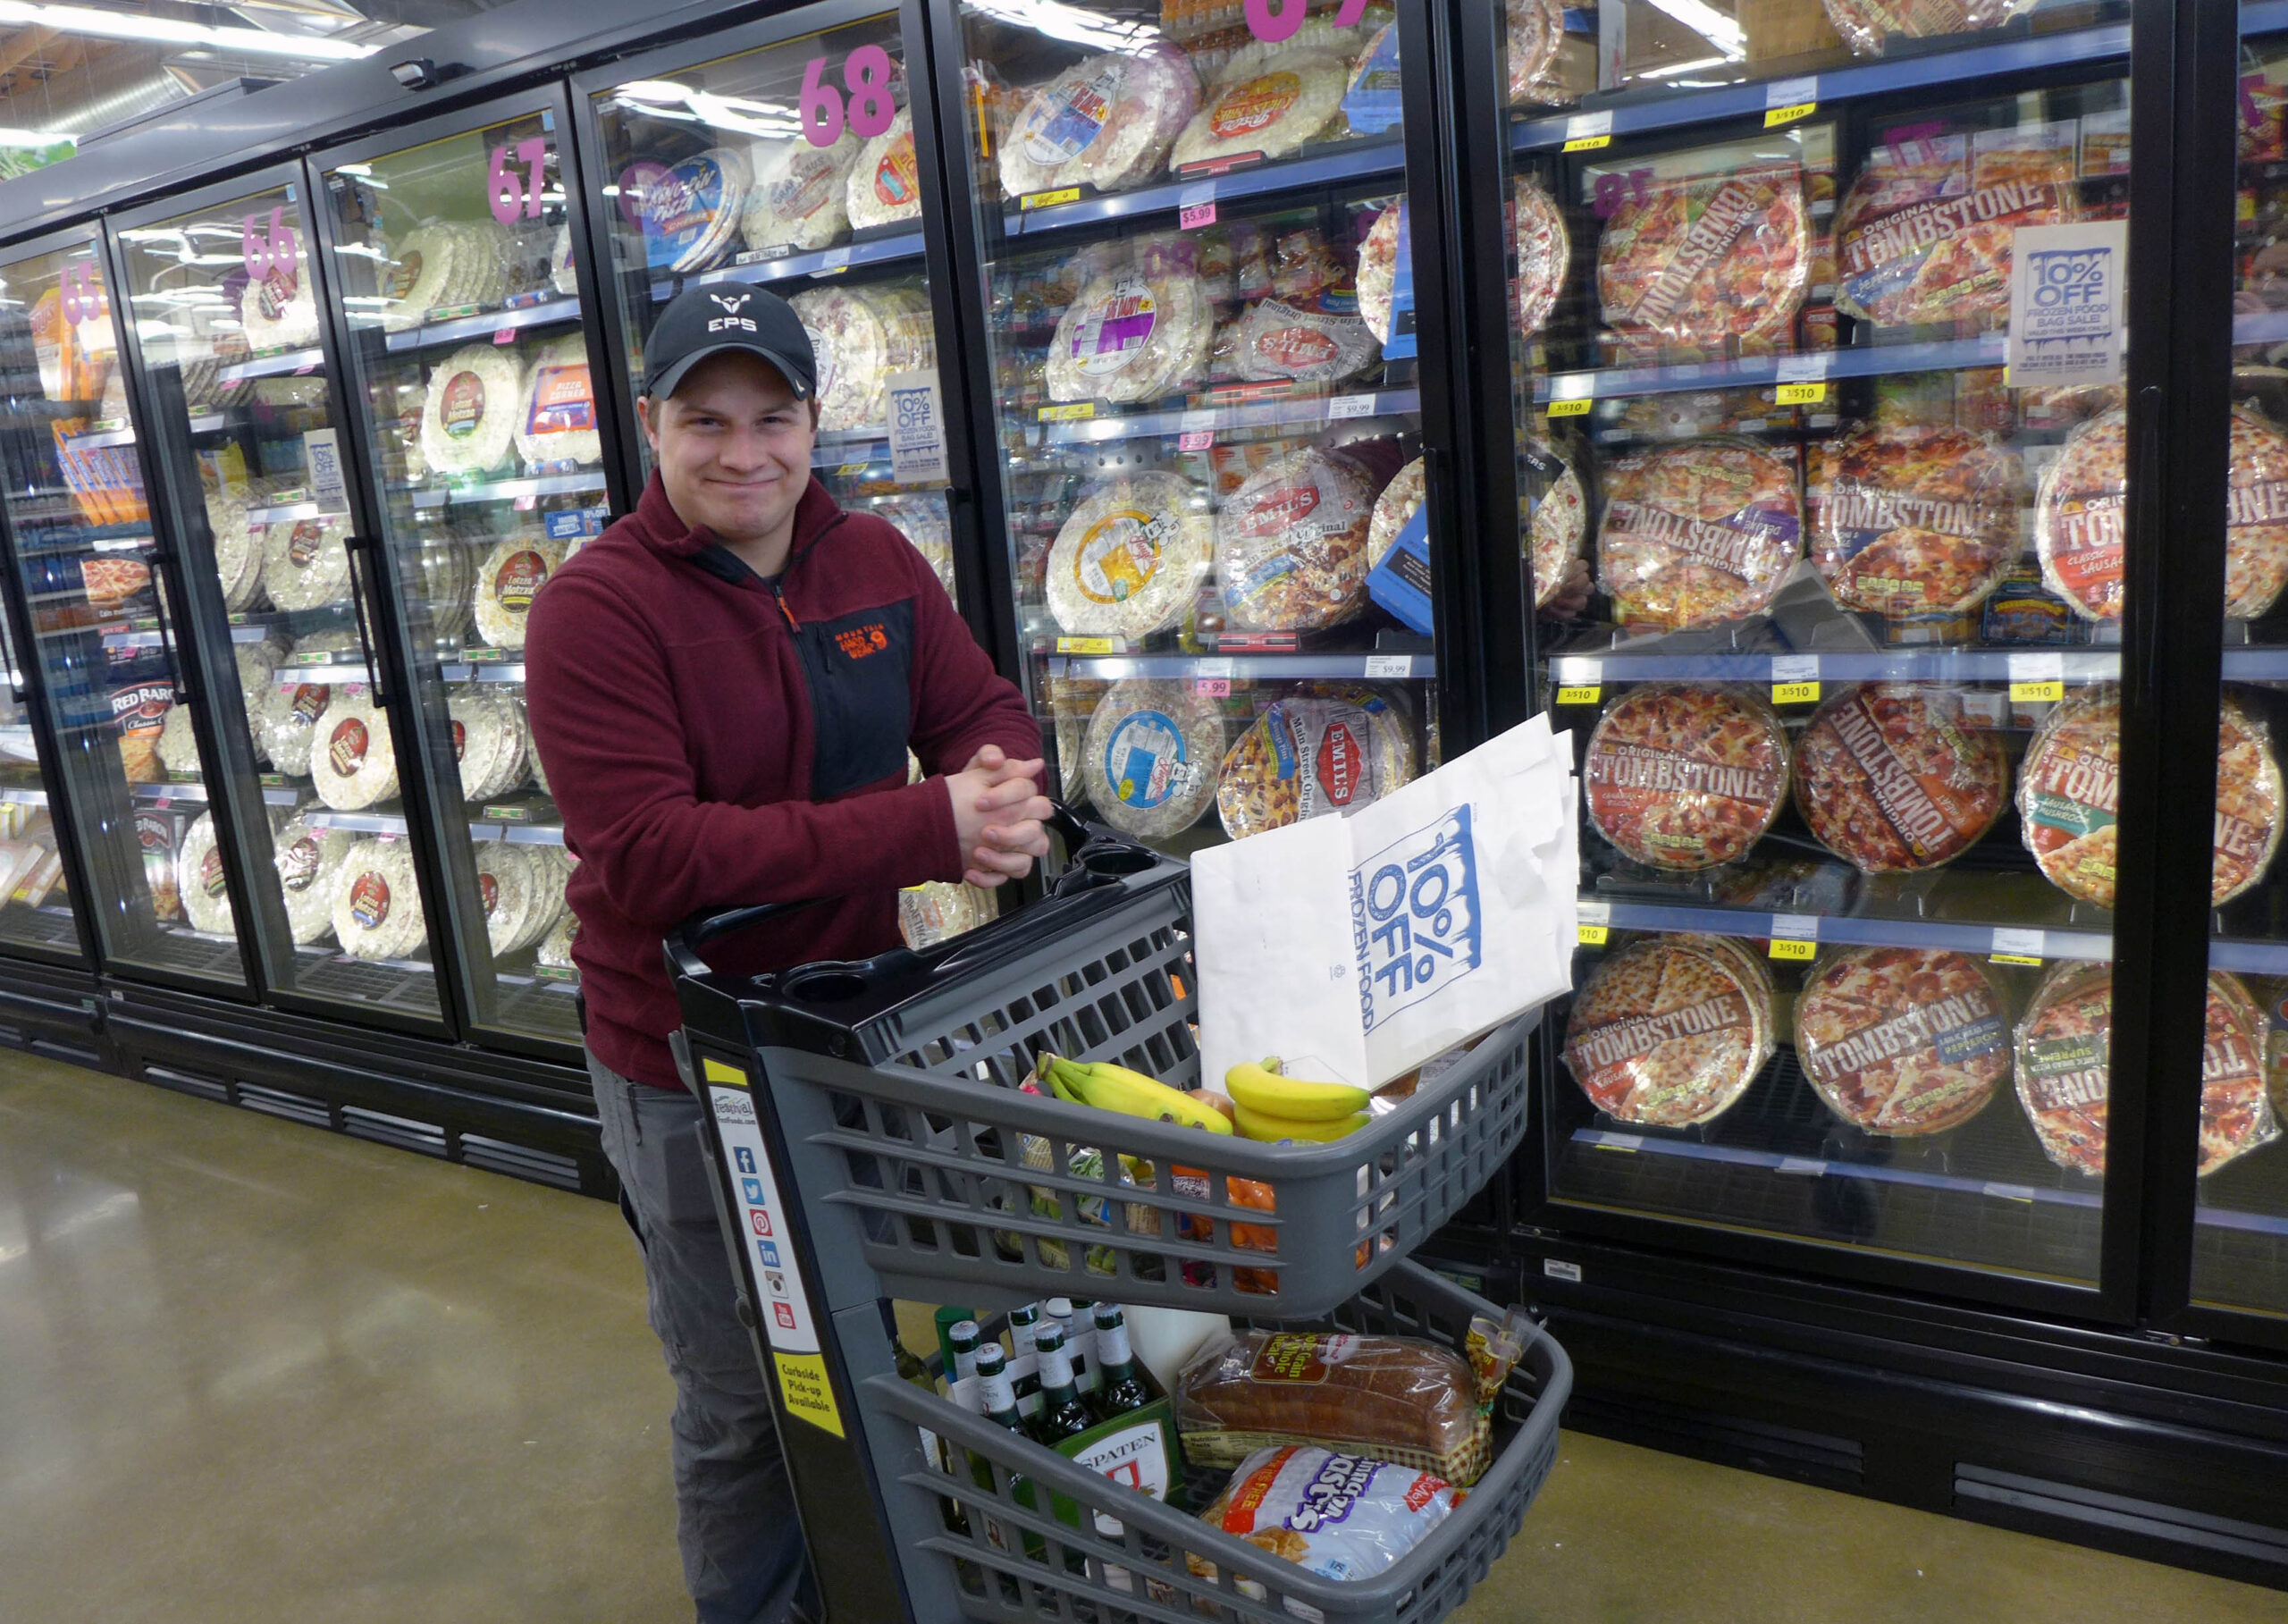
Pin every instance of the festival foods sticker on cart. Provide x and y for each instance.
(1903, 1040)
(1892, 777)
(1107, 121)
(1698, 533)
(1129, 560)
(1670, 1032)
(1537, 30)
(308, 862)
(1864, 24)
(1544, 253)
(2069, 790)
(1701, 259)
(1923, 234)
(1268, 102)
(1685, 778)
(506, 582)
(1291, 543)
(469, 415)
(1129, 338)
(1561, 516)
(1909, 522)
(2236, 1114)
(885, 184)
(1327, 747)
(377, 902)
(799, 199)
(1151, 757)
(556, 421)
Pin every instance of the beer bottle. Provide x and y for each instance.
(961, 1347)
(1023, 1322)
(1121, 1389)
(1000, 1400)
(1061, 1414)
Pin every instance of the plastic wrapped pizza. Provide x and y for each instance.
(2063, 1053)
(1384, 246)
(352, 765)
(1327, 747)
(376, 902)
(2255, 516)
(1670, 1031)
(1536, 29)
(1908, 521)
(1290, 543)
(2249, 812)
(1560, 522)
(306, 562)
(940, 909)
(1129, 338)
(800, 198)
(238, 551)
(469, 414)
(885, 184)
(2236, 1114)
(1394, 510)
(1698, 260)
(1679, 777)
(556, 420)
(1923, 232)
(278, 310)
(921, 518)
(307, 861)
(1268, 102)
(1892, 777)
(858, 337)
(199, 879)
(1697, 533)
(288, 721)
(1544, 253)
(692, 213)
(507, 582)
(1866, 24)
(1129, 557)
(1150, 759)
(1906, 1041)
(1107, 121)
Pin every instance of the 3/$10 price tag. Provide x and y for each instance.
(1788, 100)
(1593, 923)
(2037, 678)
(1795, 679)
(1795, 936)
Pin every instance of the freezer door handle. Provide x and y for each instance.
(358, 548)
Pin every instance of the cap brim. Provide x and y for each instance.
(665, 384)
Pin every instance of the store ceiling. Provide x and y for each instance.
(76, 69)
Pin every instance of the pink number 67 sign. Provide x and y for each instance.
(1272, 21)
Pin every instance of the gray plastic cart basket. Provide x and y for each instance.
(1081, 1570)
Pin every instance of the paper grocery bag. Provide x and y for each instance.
(1357, 948)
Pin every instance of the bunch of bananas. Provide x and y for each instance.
(1269, 1106)
(1116, 1088)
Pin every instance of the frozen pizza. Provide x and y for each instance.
(1670, 1032)
(692, 213)
(1866, 24)
(376, 902)
(278, 310)
(2069, 787)
(1290, 543)
(1923, 233)
(470, 412)
(238, 550)
(1908, 521)
(1536, 29)
(555, 426)
(1698, 533)
(1892, 776)
(351, 762)
(858, 337)
(1379, 259)
(921, 518)
(200, 883)
(1678, 777)
(288, 718)
(1701, 259)
(2080, 514)
(800, 198)
(306, 562)
(2236, 1114)
(1903, 1040)
(2255, 516)
(885, 184)
(1265, 105)
(1544, 253)
(1129, 559)
(1129, 338)
(1151, 756)
(2249, 803)
(1108, 119)
(1559, 520)
(1327, 747)
(308, 860)
(1315, 338)
(1394, 510)
(2062, 1052)
(511, 576)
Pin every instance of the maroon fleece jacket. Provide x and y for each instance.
(715, 739)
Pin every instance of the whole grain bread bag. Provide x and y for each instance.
(1392, 1397)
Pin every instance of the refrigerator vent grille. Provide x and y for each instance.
(1681, 1430)
(294, 1108)
(188, 1082)
(520, 1162)
(2120, 1514)
(401, 1131)
(57, 1050)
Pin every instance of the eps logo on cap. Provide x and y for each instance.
(730, 304)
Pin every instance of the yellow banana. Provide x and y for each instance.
(1270, 1130)
(1116, 1088)
(1293, 1098)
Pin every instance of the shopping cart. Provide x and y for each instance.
(875, 1137)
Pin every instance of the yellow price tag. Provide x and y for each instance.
(1800, 394)
(1783, 949)
(2017, 958)
(2036, 693)
(1587, 143)
(1579, 697)
(1594, 936)
(1795, 693)
(1077, 412)
(806, 1392)
(1570, 409)
(715, 1071)
(2244, 208)
(851, 470)
(1071, 194)
(1084, 645)
(1774, 117)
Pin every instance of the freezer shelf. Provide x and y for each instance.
(1350, 162)
(512, 318)
(2017, 942)
(2071, 665)
(1079, 424)
(766, 265)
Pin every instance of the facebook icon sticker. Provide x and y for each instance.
(745, 1158)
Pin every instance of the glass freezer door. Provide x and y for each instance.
(98, 614)
(1200, 302)
(231, 334)
(35, 917)
(1827, 563)
(454, 260)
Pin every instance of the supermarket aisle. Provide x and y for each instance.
(249, 1372)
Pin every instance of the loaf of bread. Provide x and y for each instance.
(1391, 1397)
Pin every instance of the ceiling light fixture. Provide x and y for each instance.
(122, 25)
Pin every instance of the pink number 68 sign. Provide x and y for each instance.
(867, 74)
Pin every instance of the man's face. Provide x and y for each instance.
(733, 446)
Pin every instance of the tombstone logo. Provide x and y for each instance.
(1415, 923)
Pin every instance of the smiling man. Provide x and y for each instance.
(723, 688)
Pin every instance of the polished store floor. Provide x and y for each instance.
(254, 1374)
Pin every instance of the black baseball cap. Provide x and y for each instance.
(728, 315)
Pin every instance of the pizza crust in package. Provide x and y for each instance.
(306, 562)
(1903, 1042)
(468, 416)
(376, 902)
(1396, 1398)
(885, 184)
(512, 900)
(199, 879)
(1327, 747)
(238, 554)
(288, 721)
(353, 765)
(939, 911)
(556, 418)
(443, 265)
(178, 746)
(1670, 1031)
(800, 198)
(308, 862)
(1910, 521)
(692, 213)
(1865, 23)
(1678, 777)
(1892, 777)
(1560, 522)
(1290, 543)
(1151, 756)
(1699, 533)
(279, 311)
(920, 517)
(1129, 338)
(507, 582)
(1107, 121)
(859, 338)
(1394, 510)
(1129, 560)
(1701, 259)
(492, 740)
(1265, 103)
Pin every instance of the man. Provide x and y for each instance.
(723, 688)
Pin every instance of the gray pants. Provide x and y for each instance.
(742, 1555)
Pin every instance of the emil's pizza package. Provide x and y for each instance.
(1341, 1517)
(1393, 1397)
